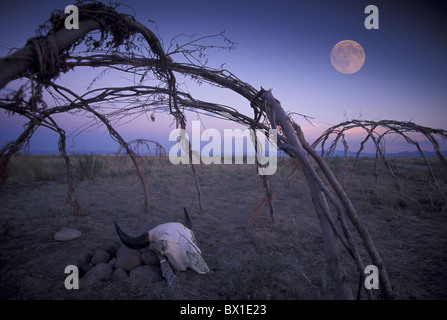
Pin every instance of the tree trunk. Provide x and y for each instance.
(331, 241)
(15, 64)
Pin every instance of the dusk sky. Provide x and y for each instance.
(283, 45)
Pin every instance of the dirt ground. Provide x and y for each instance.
(259, 260)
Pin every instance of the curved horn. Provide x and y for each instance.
(188, 222)
(140, 242)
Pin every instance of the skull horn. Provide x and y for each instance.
(140, 242)
(188, 222)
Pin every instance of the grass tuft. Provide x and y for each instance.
(87, 167)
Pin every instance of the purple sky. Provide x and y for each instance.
(284, 45)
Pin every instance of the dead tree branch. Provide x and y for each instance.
(376, 131)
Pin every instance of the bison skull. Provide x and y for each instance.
(172, 240)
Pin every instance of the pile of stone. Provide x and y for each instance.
(115, 263)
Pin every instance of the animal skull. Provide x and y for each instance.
(172, 240)
(179, 245)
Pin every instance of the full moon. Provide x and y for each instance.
(347, 57)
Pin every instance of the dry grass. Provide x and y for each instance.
(263, 260)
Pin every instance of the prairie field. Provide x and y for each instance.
(260, 259)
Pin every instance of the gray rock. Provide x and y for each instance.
(85, 268)
(147, 274)
(149, 257)
(112, 247)
(100, 272)
(67, 234)
(118, 275)
(127, 259)
(112, 262)
(86, 258)
(126, 251)
(100, 256)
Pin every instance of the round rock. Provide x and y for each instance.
(111, 247)
(112, 262)
(101, 256)
(85, 268)
(124, 251)
(118, 275)
(100, 272)
(67, 234)
(127, 259)
(149, 257)
(147, 274)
